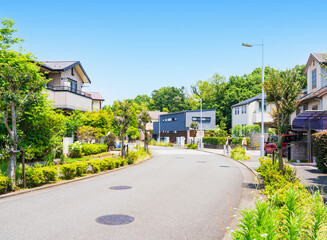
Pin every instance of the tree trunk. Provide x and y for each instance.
(12, 158)
(145, 141)
(122, 145)
(279, 142)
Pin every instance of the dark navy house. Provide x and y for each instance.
(177, 124)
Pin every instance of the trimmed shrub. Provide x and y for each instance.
(320, 150)
(80, 168)
(50, 174)
(110, 163)
(75, 150)
(123, 162)
(222, 140)
(4, 183)
(95, 164)
(34, 177)
(68, 171)
(239, 154)
(117, 163)
(191, 146)
(91, 149)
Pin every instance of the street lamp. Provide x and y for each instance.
(200, 120)
(262, 139)
(158, 140)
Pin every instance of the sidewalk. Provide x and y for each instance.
(307, 173)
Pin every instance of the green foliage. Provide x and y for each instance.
(320, 150)
(34, 177)
(289, 211)
(171, 98)
(143, 119)
(111, 140)
(239, 130)
(81, 168)
(95, 164)
(87, 133)
(75, 150)
(239, 154)
(161, 144)
(91, 149)
(100, 120)
(4, 182)
(191, 146)
(222, 140)
(50, 173)
(68, 171)
(134, 156)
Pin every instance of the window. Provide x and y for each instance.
(169, 119)
(73, 71)
(305, 107)
(198, 119)
(73, 85)
(315, 107)
(314, 80)
(265, 106)
(237, 111)
(313, 63)
(245, 109)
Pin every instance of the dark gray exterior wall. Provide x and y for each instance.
(184, 120)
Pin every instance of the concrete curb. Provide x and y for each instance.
(19, 192)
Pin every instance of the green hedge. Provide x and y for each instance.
(92, 149)
(320, 150)
(77, 150)
(222, 140)
(4, 183)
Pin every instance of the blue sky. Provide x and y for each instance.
(134, 47)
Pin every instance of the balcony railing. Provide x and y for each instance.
(68, 89)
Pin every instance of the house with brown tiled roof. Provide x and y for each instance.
(65, 88)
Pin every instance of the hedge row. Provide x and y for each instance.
(222, 140)
(4, 183)
(320, 150)
(78, 150)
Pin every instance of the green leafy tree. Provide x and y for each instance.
(143, 119)
(282, 89)
(132, 131)
(73, 122)
(195, 127)
(21, 85)
(121, 120)
(171, 98)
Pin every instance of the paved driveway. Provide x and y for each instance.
(179, 194)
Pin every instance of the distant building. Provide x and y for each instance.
(248, 112)
(177, 124)
(154, 118)
(65, 87)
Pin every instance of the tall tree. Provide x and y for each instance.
(143, 119)
(282, 89)
(172, 98)
(21, 85)
(121, 120)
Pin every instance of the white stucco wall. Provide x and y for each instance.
(95, 105)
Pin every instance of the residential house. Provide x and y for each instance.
(248, 112)
(154, 118)
(65, 87)
(177, 124)
(314, 97)
(311, 114)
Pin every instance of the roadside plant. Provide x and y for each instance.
(143, 119)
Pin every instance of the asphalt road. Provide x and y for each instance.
(179, 194)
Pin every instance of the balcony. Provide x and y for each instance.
(69, 99)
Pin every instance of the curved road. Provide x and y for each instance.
(179, 194)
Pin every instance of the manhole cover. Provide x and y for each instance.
(120, 187)
(115, 219)
(201, 161)
(225, 166)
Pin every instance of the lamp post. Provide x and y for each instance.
(200, 120)
(262, 139)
